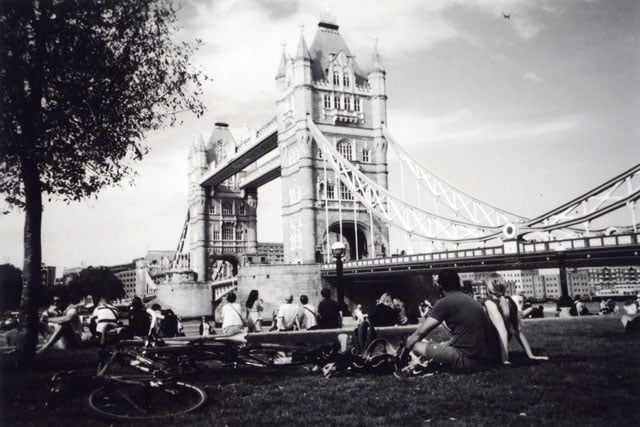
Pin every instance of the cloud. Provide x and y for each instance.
(466, 127)
(533, 77)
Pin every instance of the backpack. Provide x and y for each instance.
(371, 354)
(363, 335)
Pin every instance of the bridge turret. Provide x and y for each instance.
(281, 74)
(197, 196)
(377, 84)
(302, 90)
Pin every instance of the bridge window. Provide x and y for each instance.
(336, 78)
(346, 80)
(331, 191)
(356, 104)
(345, 194)
(365, 155)
(344, 148)
(327, 101)
(227, 208)
(227, 231)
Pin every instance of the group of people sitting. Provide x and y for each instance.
(389, 312)
(62, 324)
(288, 317)
(480, 332)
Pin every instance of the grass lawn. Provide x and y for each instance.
(591, 379)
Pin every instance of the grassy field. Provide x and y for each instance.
(591, 379)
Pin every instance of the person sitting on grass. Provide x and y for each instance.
(630, 318)
(66, 329)
(424, 308)
(505, 317)
(307, 314)
(139, 319)
(473, 345)
(232, 320)
(288, 315)
(401, 313)
(329, 315)
(155, 325)
(106, 318)
(384, 313)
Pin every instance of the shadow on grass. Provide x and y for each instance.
(590, 379)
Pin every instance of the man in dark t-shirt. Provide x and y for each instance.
(329, 316)
(474, 343)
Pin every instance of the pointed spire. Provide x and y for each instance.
(200, 145)
(192, 148)
(377, 61)
(283, 63)
(303, 51)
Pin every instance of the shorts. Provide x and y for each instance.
(443, 353)
(232, 329)
(101, 327)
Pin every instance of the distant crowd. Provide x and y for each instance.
(480, 327)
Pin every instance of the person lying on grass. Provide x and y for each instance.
(504, 314)
(474, 344)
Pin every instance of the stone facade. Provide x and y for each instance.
(222, 220)
(326, 83)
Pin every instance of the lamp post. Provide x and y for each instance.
(338, 250)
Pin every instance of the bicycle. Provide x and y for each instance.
(233, 352)
(156, 393)
(130, 386)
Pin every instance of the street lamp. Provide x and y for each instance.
(338, 250)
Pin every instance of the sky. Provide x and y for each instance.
(525, 113)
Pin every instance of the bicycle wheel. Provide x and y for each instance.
(145, 400)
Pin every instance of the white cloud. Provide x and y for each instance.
(242, 47)
(466, 127)
(533, 77)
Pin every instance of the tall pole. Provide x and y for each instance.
(338, 250)
(340, 285)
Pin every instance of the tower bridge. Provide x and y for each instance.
(328, 144)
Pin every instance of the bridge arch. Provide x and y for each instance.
(223, 266)
(354, 236)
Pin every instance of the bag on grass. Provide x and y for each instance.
(371, 354)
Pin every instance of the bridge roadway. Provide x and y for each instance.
(615, 250)
(264, 141)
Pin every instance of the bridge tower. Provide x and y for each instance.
(326, 84)
(222, 219)
(197, 221)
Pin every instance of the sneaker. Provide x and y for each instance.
(409, 365)
(423, 368)
(328, 370)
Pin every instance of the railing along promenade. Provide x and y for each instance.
(622, 249)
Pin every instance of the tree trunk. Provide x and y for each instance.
(32, 282)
